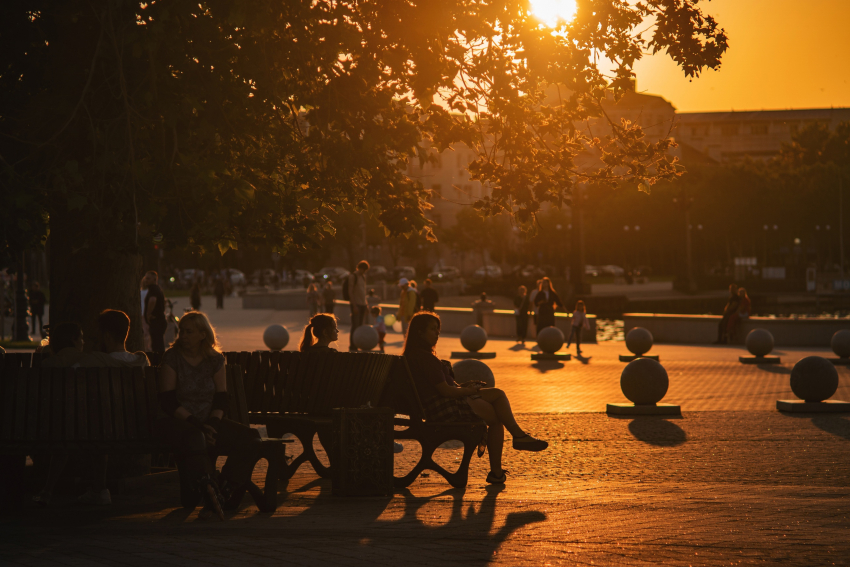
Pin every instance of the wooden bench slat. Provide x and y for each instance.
(8, 385)
(82, 404)
(239, 390)
(117, 404)
(70, 394)
(92, 376)
(289, 381)
(152, 391)
(33, 383)
(45, 401)
(57, 405)
(19, 431)
(140, 396)
(128, 391)
(108, 433)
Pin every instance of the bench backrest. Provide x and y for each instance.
(312, 383)
(88, 404)
(20, 360)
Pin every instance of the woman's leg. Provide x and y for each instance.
(242, 445)
(502, 408)
(495, 433)
(577, 331)
(187, 442)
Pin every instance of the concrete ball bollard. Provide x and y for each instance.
(814, 379)
(759, 342)
(644, 381)
(841, 343)
(470, 369)
(550, 340)
(639, 341)
(473, 338)
(276, 337)
(366, 337)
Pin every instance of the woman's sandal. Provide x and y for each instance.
(529, 443)
(482, 445)
(213, 499)
(493, 479)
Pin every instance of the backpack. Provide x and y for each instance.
(346, 294)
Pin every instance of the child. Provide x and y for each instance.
(579, 322)
(380, 326)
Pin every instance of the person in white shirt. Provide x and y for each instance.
(114, 328)
(357, 299)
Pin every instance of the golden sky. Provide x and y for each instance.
(782, 54)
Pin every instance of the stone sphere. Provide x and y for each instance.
(397, 327)
(389, 320)
(365, 337)
(814, 379)
(639, 341)
(550, 339)
(759, 342)
(644, 381)
(841, 343)
(471, 369)
(473, 338)
(276, 337)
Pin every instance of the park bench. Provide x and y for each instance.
(102, 410)
(293, 392)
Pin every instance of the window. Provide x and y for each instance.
(729, 129)
(759, 129)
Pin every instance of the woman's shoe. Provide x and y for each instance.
(482, 445)
(213, 499)
(529, 443)
(493, 479)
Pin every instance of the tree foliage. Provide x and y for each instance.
(227, 123)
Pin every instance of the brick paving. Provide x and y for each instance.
(732, 482)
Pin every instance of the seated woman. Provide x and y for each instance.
(323, 329)
(193, 395)
(445, 400)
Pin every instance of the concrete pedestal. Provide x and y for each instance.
(826, 406)
(654, 409)
(843, 361)
(475, 355)
(551, 356)
(758, 359)
(631, 357)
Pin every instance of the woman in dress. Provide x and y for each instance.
(193, 395)
(445, 400)
(521, 307)
(319, 333)
(546, 302)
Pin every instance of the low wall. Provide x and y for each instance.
(702, 329)
(498, 324)
(296, 299)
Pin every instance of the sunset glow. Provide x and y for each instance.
(553, 12)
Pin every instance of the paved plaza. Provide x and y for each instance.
(731, 482)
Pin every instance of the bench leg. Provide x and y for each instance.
(265, 498)
(305, 433)
(430, 441)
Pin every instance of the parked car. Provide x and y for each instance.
(611, 270)
(377, 274)
(591, 270)
(490, 272)
(408, 272)
(189, 275)
(335, 274)
(444, 274)
(304, 277)
(236, 277)
(267, 276)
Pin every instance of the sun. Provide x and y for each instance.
(552, 12)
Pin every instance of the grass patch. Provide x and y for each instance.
(20, 344)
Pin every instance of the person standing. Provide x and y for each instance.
(743, 312)
(37, 302)
(313, 299)
(357, 299)
(372, 301)
(531, 297)
(546, 301)
(155, 313)
(578, 323)
(429, 296)
(521, 307)
(481, 306)
(328, 295)
(728, 311)
(218, 290)
(195, 296)
(406, 304)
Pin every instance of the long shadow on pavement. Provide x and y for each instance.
(774, 369)
(657, 431)
(835, 424)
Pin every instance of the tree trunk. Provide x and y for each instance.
(89, 275)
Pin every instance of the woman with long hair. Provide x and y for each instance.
(313, 299)
(546, 302)
(323, 329)
(193, 395)
(742, 312)
(579, 322)
(445, 400)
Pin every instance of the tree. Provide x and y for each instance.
(225, 123)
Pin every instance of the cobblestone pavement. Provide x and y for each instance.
(711, 488)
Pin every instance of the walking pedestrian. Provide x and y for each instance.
(195, 296)
(328, 296)
(37, 302)
(547, 301)
(429, 296)
(531, 297)
(406, 304)
(155, 313)
(521, 307)
(355, 288)
(743, 312)
(313, 299)
(579, 322)
(480, 306)
(372, 301)
(218, 290)
(728, 311)
(380, 326)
